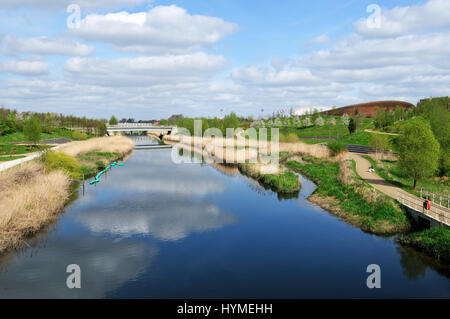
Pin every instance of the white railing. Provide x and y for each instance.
(437, 212)
(442, 200)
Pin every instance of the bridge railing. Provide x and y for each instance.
(436, 212)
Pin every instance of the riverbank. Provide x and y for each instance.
(434, 242)
(341, 192)
(33, 194)
(280, 181)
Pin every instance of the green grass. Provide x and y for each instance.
(19, 136)
(94, 161)
(435, 242)
(12, 149)
(286, 182)
(390, 172)
(10, 158)
(378, 217)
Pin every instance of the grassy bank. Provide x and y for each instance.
(390, 172)
(434, 242)
(34, 193)
(283, 181)
(345, 195)
(9, 158)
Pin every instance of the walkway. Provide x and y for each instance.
(440, 214)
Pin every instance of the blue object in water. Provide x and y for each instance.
(97, 177)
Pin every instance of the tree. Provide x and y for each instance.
(380, 142)
(231, 121)
(418, 150)
(307, 122)
(32, 129)
(3, 127)
(48, 123)
(352, 126)
(345, 119)
(319, 121)
(113, 120)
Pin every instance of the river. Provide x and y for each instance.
(156, 229)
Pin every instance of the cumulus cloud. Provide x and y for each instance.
(24, 67)
(405, 20)
(142, 71)
(163, 29)
(13, 45)
(260, 76)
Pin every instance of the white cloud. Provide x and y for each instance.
(406, 20)
(163, 29)
(24, 67)
(144, 71)
(321, 39)
(260, 76)
(13, 45)
(84, 4)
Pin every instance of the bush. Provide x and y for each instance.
(77, 135)
(62, 161)
(336, 147)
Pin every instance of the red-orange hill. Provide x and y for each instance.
(368, 109)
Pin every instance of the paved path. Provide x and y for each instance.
(362, 167)
(380, 133)
(441, 214)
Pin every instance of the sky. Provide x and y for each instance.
(149, 59)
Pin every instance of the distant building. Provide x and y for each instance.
(368, 109)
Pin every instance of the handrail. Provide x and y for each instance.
(437, 212)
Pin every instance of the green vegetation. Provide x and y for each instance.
(13, 149)
(61, 161)
(380, 142)
(390, 171)
(418, 151)
(79, 136)
(379, 216)
(9, 158)
(113, 120)
(94, 161)
(336, 147)
(286, 182)
(32, 129)
(435, 242)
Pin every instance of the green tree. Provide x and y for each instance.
(48, 124)
(418, 150)
(32, 129)
(380, 142)
(3, 127)
(231, 121)
(352, 126)
(113, 120)
(12, 123)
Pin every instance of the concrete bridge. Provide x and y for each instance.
(141, 127)
(437, 216)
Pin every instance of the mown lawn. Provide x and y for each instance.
(20, 137)
(12, 149)
(9, 158)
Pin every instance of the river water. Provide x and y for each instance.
(156, 229)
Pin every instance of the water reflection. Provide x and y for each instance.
(105, 265)
(160, 215)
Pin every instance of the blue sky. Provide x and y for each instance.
(150, 59)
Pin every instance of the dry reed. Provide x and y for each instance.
(30, 199)
(112, 144)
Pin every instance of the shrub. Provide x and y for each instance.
(293, 138)
(77, 135)
(61, 161)
(336, 147)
